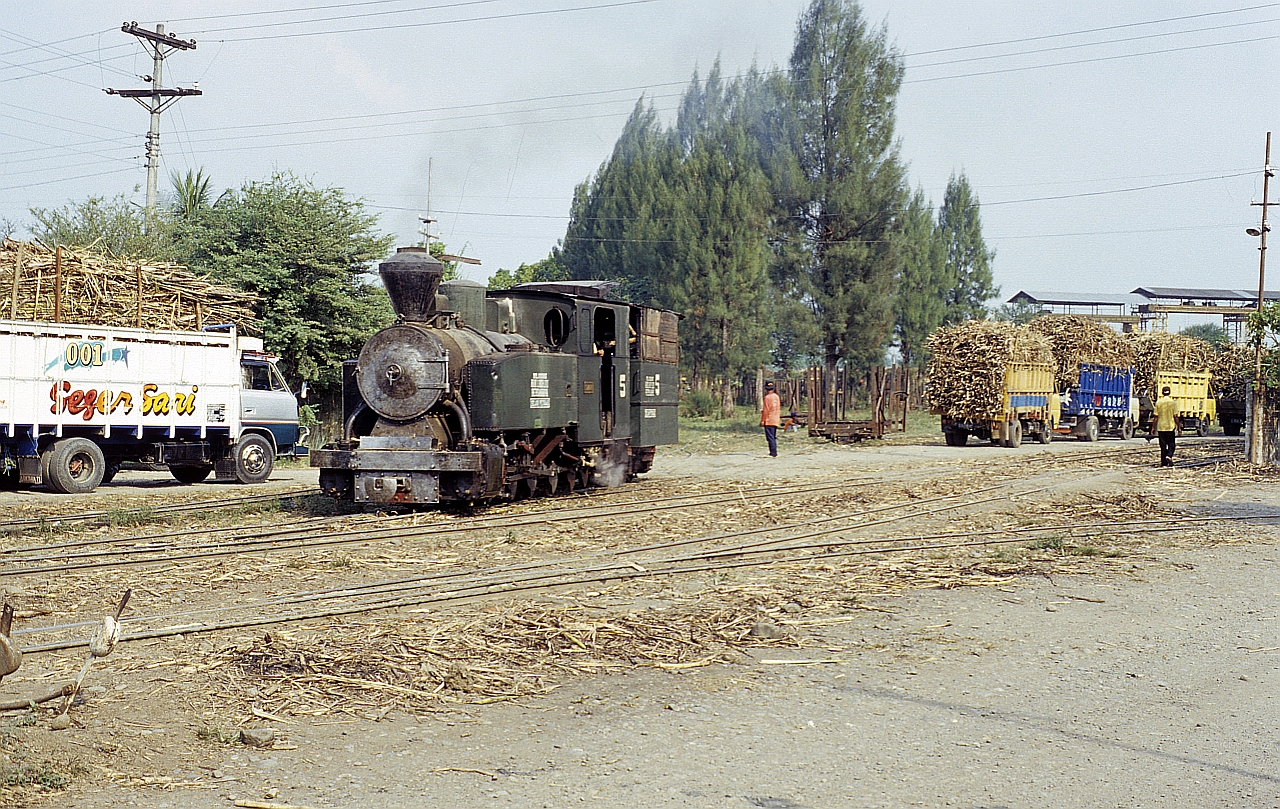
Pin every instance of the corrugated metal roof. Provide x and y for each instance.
(1192, 294)
(1076, 298)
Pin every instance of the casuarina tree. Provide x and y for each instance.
(968, 259)
(842, 189)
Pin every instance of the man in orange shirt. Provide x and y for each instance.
(771, 417)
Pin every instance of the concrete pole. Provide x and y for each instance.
(1259, 393)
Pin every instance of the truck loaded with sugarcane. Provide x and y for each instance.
(993, 381)
(1063, 374)
(104, 361)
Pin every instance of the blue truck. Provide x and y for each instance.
(1101, 403)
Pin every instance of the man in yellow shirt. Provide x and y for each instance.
(1166, 425)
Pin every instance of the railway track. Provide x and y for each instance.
(790, 532)
(454, 588)
(791, 542)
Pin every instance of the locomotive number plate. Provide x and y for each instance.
(539, 391)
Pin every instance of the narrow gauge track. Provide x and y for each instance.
(554, 502)
(150, 549)
(446, 589)
(221, 504)
(143, 549)
(418, 583)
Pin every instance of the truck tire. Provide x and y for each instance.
(254, 459)
(1126, 429)
(1202, 427)
(1091, 428)
(190, 474)
(1015, 435)
(957, 438)
(1045, 435)
(109, 472)
(1231, 429)
(76, 466)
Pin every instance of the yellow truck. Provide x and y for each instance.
(1193, 392)
(1030, 407)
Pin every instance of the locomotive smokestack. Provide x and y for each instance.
(412, 277)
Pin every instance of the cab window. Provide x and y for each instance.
(260, 376)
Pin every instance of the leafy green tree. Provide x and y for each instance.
(923, 284)
(1211, 333)
(114, 226)
(616, 220)
(1021, 313)
(550, 268)
(305, 251)
(967, 256)
(840, 181)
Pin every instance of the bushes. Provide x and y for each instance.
(698, 403)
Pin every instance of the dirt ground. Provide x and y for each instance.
(1128, 670)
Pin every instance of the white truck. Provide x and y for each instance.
(77, 401)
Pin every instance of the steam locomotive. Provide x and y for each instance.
(476, 395)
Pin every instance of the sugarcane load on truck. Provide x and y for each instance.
(1182, 364)
(78, 399)
(994, 381)
(1094, 377)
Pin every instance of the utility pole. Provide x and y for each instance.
(1259, 398)
(157, 99)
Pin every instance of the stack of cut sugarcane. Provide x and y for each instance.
(1232, 369)
(968, 364)
(72, 285)
(1075, 340)
(1154, 352)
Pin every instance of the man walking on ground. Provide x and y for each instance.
(771, 417)
(1166, 425)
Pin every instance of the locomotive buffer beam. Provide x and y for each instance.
(391, 460)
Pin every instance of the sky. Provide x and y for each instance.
(1111, 145)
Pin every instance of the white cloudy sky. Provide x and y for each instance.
(1052, 109)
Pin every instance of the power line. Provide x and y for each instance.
(1094, 59)
(367, 14)
(1084, 31)
(509, 16)
(1079, 45)
(306, 8)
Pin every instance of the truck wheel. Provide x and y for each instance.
(957, 438)
(109, 472)
(1231, 429)
(1091, 428)
(254, 459)
(1202, 427)
(190, 474)
(76, 466)
(1126, 429)
(1015, 435)
(1045, 435)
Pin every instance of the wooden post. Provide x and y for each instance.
(139, 318)
(17, 275)
(57, 284)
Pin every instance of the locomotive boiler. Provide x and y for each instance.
(475, 395)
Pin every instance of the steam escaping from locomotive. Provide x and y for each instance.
(476, 395)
